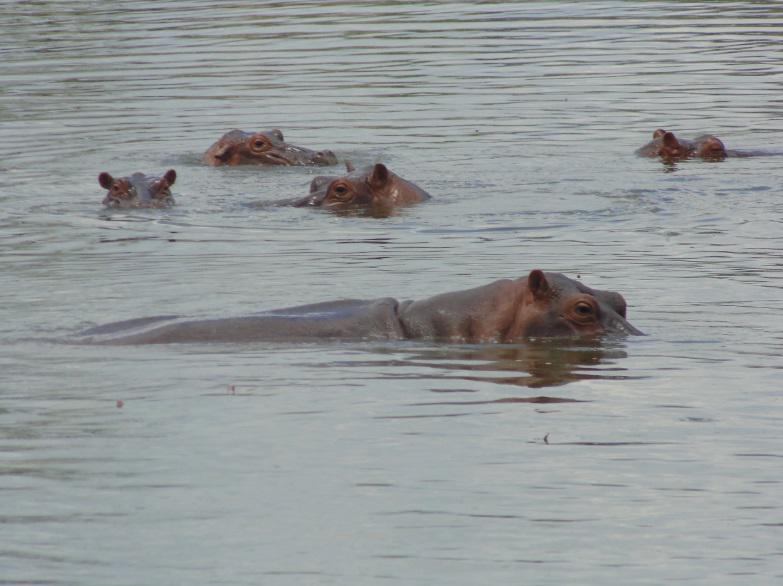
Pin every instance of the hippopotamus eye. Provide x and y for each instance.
(341, 191)
(584, 309)
(259, 144)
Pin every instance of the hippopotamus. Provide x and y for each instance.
(670, 148)
(374, 187)
(238, 147)
(138, 190)
(538, 305)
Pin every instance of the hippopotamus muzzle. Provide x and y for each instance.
(617, 324)
(313, 200)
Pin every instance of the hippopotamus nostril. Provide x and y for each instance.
(622, 326)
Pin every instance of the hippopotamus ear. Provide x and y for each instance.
(379, 176)
(538, 285)
(278, 133)
(105, 180)
(222, 151)
(659, 132)
(670, 140)
(349, 166)
(170, 176)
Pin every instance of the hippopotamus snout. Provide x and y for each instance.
(325, 157)
(616, 324)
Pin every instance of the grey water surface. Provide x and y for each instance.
(650, 460)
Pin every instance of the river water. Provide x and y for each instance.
(650, 460)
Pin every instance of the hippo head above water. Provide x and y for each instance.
(374, 187)
(560, 306)
(540, 305)
(138, 190)
(263, 148)
(670, 148)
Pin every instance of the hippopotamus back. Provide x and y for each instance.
(347, 319)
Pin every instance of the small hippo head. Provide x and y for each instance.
(556, 306)
(670, 148)
(375, 188)
(263, 148)
(138, 190)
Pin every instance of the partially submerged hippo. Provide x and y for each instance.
(374, 187)
(138, 190)
(670, 148)
(536, 306)
(263, 148)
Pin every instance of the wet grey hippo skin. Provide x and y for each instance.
(373, 187)
(670, 148)
(138, 190)
(536, 306)
(263, 148)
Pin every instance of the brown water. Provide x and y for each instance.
(651, 460)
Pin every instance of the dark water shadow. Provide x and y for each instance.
(535, 365)
(359, 212)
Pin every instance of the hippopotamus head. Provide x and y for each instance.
(539, 305)
(138, 190)
(710, 147)
(374, 187)
(669, 147)
(263, 148)
(555, 306)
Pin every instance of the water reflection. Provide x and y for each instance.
(537, 364)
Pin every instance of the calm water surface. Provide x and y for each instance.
(651, 460)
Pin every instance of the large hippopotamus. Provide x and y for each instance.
(539, 305)
(238, 147)
(138, 190)
(670, 148)
(374, 188)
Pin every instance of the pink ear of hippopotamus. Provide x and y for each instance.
(379, 176)
(670, 140)
(538, 284)
(105, 180)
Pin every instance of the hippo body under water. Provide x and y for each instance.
(539, 305)
(374, 188)
(669, 147)
(138, 190)
(238, 147)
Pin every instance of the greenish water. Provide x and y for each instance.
(653, 460)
